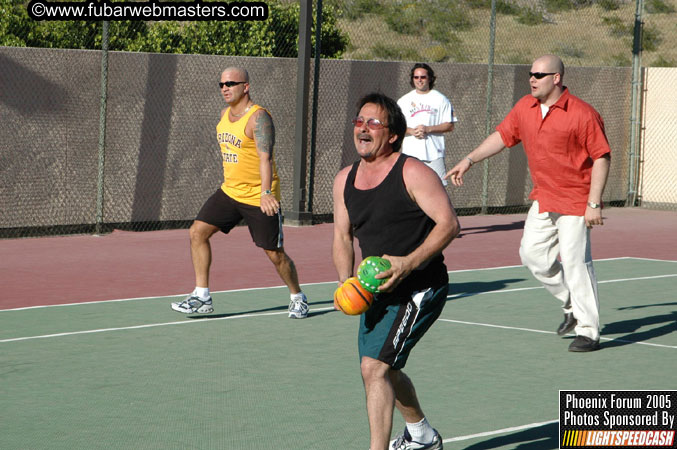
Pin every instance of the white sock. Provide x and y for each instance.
(298, 296)
(201, 292)
(421, 431)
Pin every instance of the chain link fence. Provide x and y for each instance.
(658, 165)
(124, 137)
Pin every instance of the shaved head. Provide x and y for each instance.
(546, 83)
(236, 92)
(551, 63)
(240, 72)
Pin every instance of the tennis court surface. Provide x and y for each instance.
(130, 373)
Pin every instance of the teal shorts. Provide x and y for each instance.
(388, 332)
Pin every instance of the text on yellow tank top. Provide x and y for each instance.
(241, 171)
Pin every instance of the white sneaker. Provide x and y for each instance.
(405, 442)
(298, 307)
(193, 304)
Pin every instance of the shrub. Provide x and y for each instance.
(651, 38)
(394, 53)
(609, 5)
(620, 60)
(616, 26)
(663, 62)
(355, 9)
(568, 50)
(412, 17)
(658, 7)
(530, 16)
(558, 5)
(502, 6)
(274, 37)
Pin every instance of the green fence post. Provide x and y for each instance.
(313, 114)
(299, 215)
(102, 127)
(490, 90)
(633, 157)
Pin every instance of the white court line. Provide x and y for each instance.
(531, 330)
(504, 327)
(520, 265)
(504, 430)
(305, 284)
(152, 325)
(652, 259)
(500, 291)
(155, 297)
(669, 275)
(327, 308)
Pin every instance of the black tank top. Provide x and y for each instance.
(386, 220)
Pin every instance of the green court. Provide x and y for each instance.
(133, 374)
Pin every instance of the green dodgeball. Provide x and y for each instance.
(367, 271)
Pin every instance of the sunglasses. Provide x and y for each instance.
(539, 75)
(373, 124)
(230, 83)
(420, 77)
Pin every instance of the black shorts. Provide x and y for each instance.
(223, 212)
(388, 332)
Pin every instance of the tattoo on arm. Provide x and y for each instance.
(264, 133)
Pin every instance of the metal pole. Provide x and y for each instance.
(298, 215)
(102, 127)
(633, 163)
(490, 89)
(313, 115)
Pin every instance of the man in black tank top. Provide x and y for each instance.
(398, 209)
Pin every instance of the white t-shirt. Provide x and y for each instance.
(428, 109)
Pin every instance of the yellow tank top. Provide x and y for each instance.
(241, 172)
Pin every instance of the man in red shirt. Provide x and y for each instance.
(569, 157)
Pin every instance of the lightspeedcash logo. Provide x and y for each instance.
(618, 419)
(152, 10)
(618, 438)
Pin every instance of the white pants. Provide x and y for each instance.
(572, 280)
(438, 166)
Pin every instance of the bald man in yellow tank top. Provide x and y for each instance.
(250, 191)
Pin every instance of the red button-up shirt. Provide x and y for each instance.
(560, 149)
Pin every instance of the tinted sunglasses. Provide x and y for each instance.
(539, 75)
(420, 77)
(373, 124)
(230, 83)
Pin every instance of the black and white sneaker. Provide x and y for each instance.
(193, 304)
(405, 442)
(298, 306)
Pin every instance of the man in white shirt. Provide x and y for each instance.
(429, 115)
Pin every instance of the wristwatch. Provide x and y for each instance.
(593, 205)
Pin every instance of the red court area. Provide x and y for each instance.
(124, 264)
